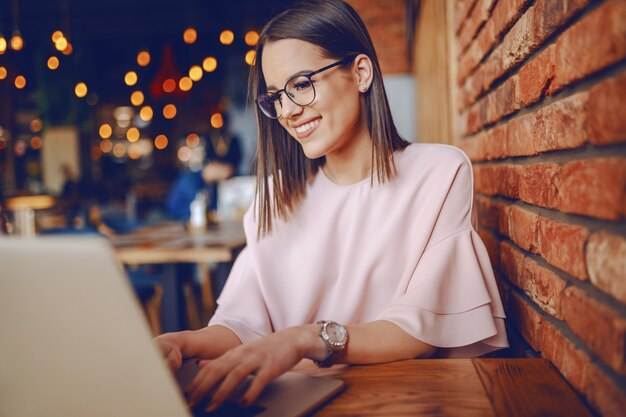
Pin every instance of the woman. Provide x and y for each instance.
(352, 227)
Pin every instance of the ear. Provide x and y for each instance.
(364, 72)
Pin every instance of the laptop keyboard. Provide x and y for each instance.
(228, 409)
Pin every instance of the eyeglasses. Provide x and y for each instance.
(299, 89)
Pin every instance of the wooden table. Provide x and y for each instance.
(451, 387)
(173, 243)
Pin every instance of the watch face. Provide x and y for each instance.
(336, 332)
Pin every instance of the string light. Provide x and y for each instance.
(36, 125)
(227, 37)
(209, 64)
(105, 132)
(80, 90)
(68, 50)
(143, 58)
(130, 78)
(56, 35)
(53, 63)
(106, 146)
(3, 73)
(3, 44)
(250, 57)
(193, 140)
(119, 150)
(185, 84)
(36, 142)
(169, 111)
(251, 38)
(160, 142)
(195, 73)
(190, 35)
(20, 82)
(137, 98)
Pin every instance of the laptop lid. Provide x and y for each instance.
(73, 339)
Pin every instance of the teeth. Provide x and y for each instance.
(307, 126)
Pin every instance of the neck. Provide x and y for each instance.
(352, 163)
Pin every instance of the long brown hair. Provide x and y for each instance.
(334, 27)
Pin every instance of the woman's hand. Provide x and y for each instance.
(171, 350)
(266, 359)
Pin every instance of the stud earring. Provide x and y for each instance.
(363, 87)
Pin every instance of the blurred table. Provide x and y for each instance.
(172, 243)
(451, 387)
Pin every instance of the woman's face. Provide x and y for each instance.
(334, 119)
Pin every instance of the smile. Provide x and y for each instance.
(307, 126)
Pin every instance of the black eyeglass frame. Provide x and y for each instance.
(309, 75)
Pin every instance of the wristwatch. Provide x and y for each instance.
(335, 336)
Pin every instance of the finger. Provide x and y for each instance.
(174, 360)
(202, 384)
(231, 382)
(259, 382)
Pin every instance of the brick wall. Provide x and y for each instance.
(386, 23)
(542, 114)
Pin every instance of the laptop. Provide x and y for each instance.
(74, 342)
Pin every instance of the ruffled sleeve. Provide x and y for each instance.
(451, 299)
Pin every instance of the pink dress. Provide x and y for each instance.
(405, 251)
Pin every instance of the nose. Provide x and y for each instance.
(289, 108)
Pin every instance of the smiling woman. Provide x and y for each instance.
(360, 247)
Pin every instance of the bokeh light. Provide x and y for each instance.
(96, 153)
(132, 134)
(143, 58)
(80, 90)
(20, 82)
(130, 78)
(217, 121)
(3, 73)
(250, 57)
(17, 42)
(169, 85)
(195, 73)
(192, 140)
(190, 35)
(119, 150)
(36, 125)
(136, 98)
(36, 142)
(169, 111)
(56, 35)
(184, 154)
(209, 64)
(106, 146)
(105, 131)
(53, 63)
(185, 84)
(61, 43)
(227, 37)
(68, 50)
(146, 113)
(251, 38)
(160, 142)
(3, 45)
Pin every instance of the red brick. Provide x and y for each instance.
(504, 217)
(488, 213)
(510, 181)
(606, 120)
(535, 77)
(492, 244)
(595, 42)
(505, 13)
(486, 179)
(479, 14)
(561, 124)
(462, 9)
(525, 319)
(563, 245)
(606, 260)
(573, 363)
(473, 146)
(601, 327)
(539, 184)
(523, 227)
(593, 187)
(519, 138)
(603, 393)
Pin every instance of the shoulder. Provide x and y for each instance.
(427, 161)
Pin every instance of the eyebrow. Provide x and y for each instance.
(271, 87)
